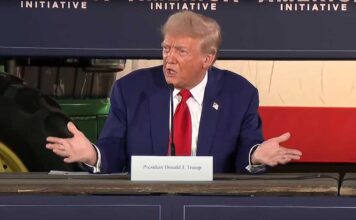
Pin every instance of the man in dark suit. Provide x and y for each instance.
(218, 110)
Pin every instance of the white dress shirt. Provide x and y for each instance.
(195, 105)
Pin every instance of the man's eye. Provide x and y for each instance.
(166, 49)
(183, 52)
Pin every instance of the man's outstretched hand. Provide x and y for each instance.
(75, 149)
(271, 153)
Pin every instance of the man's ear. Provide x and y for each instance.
(208, 60)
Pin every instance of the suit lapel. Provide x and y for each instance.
(159, 116)
(209, 116)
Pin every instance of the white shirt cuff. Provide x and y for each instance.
(96, 168)
(254, 168)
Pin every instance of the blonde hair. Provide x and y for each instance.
(191, 24)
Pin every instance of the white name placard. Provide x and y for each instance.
(169, 168)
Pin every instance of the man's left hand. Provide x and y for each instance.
(271, 153)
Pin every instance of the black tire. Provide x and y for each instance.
(26, 118)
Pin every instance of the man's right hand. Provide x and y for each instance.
(75, 149)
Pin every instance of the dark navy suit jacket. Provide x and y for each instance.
(138, 122)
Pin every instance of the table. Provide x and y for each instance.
(348, 185)
(268, 196)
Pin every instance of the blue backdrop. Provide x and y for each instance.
(252, 29)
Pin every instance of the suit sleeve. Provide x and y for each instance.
(250, 133)
(112, 140)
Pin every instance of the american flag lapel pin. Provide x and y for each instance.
(216, 106)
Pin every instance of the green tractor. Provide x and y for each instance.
(38, 99)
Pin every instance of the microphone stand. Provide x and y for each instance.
(172, 146)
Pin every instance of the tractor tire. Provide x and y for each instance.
(27, 117)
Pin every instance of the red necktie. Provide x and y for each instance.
(183, 126)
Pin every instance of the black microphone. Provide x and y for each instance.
(172, 146)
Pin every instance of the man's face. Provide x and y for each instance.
(184, 65)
